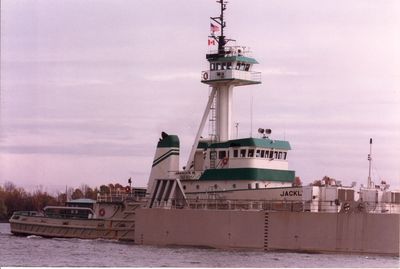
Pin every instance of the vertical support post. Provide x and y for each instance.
(201, 127)
(224, 112)
(370, 160)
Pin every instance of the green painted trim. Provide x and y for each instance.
(243, 59)
(170, 141)
(165, 156)
(253, 142)
(231, 79)
(202, 145)
(248, 174)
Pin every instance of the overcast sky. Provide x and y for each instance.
(87, 86)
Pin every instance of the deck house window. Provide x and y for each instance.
(275, 154)
(235, 153)
(280, 155)
(258, 153)
(251, 153)
(257, 186)
(249, 186)
(284, 155)
(271, 154)
(212, 66)
(242, 153)
(221, 154)
(213, 155)
(267, 154)
(262, 153)
(229, 66)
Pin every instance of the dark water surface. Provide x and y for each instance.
(38, 251)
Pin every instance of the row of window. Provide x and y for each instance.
(228, 66)
(249, 186)
(250, 153)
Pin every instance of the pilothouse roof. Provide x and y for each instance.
(253, 142)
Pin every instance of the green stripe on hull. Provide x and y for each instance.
(248, 174)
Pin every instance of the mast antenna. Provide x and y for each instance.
(370, 161)
(221, 40)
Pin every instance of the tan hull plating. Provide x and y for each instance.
(263, 230)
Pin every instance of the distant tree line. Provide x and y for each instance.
(13, 198)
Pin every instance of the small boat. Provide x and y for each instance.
(112, 216)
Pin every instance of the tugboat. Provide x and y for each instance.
(240, 193)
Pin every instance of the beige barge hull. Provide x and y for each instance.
(271, 231)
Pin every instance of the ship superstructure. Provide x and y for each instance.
(221, 164)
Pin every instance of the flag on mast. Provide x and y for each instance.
(211, 42)
(214, 28)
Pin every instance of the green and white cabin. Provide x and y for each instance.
(221, 164)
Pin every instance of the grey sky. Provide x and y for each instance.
(87, 86)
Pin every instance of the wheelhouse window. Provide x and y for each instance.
(251, 153)
(221, 154)
(213, 155)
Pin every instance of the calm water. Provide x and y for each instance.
(38, 251)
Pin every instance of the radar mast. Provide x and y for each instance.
(229, 67)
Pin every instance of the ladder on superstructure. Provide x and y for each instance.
(212, 120)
